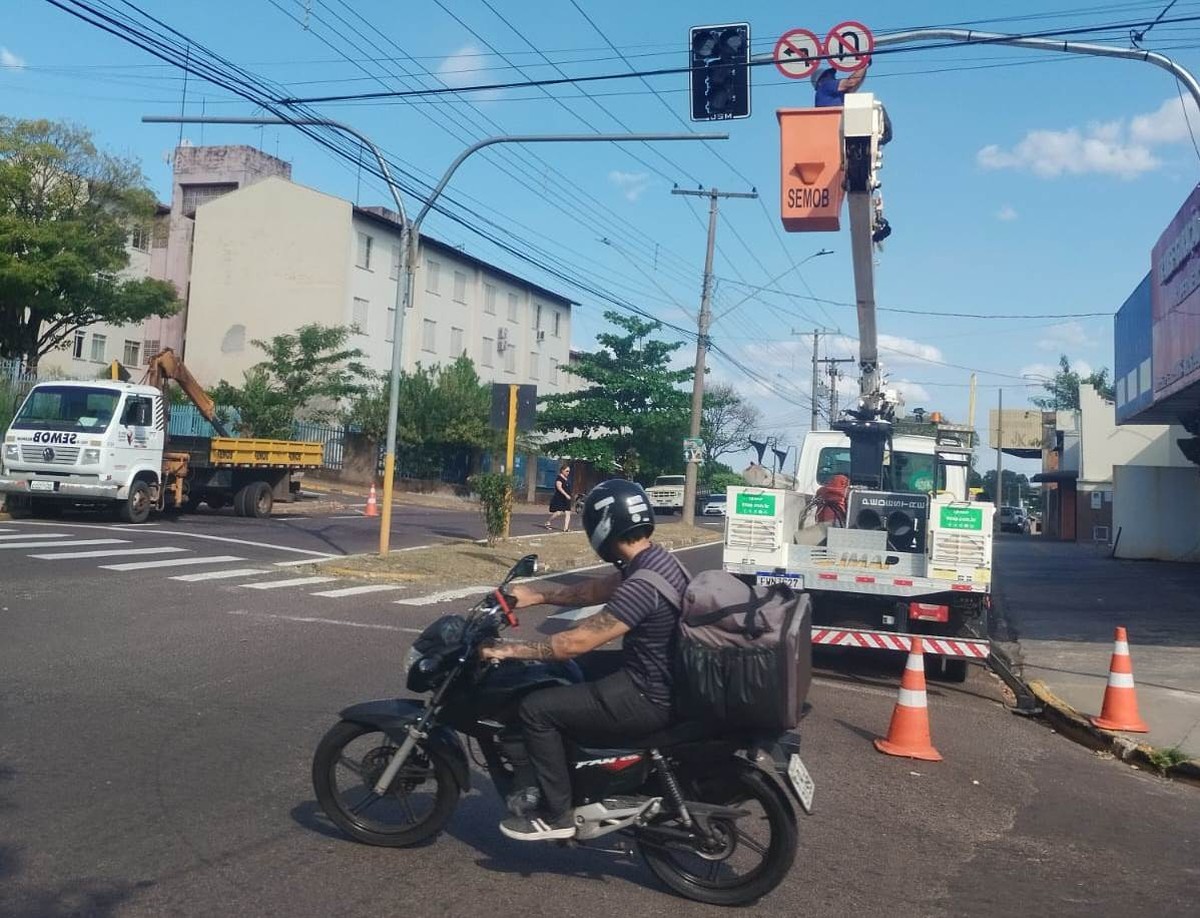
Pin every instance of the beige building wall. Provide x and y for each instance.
(267, 259)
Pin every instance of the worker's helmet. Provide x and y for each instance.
(822, 69)
(613, 510)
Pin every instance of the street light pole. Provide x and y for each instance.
(410, 242)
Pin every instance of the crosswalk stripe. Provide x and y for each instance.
(444, 596)
(358, 590)
(279, 584)
(64, 544)
(220, 575)
(104, 553)
(33, 535)
(169, 562)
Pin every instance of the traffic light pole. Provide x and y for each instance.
(705, 319)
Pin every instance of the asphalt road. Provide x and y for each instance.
(156, 737)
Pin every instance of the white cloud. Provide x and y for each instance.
(465, 67)
(631, 184)
(1167, 124)
(10, 60)
(1007, 213)
(894, 351)
(1043, 371)
(913, 393)
(1065, 336)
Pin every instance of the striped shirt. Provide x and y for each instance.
(649, 647)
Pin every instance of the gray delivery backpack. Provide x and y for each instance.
(744, 657)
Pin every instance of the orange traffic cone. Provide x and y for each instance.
(908, 734)
(1120, 710)
(372, 505)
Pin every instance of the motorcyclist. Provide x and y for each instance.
(636, 699)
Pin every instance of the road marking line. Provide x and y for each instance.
(59, 544)
(104, 553)
(33, 535)
(220, 575)
(279, 584)
(445, 596)
(170, 562)
(306, 620)
(180, 533)
(575, 614)
(302, 561)
(358, 590)
(356, 516)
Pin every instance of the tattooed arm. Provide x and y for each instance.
(587, 592)
(589, 634)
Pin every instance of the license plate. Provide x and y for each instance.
(801, 781)
(41, 486)
(795, 581)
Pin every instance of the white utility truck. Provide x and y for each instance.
(106, 443)
(880, 528)
(666, 494)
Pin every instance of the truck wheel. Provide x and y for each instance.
(255, 500)
(18, 506)
(136, 507)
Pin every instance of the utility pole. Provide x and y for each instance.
(999, 495)
(816, 411)
(834, 375)
(705, 319)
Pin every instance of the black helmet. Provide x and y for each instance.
(613, 510)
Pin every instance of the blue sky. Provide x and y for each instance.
(1018, 182)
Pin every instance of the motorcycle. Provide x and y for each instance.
(710, 813)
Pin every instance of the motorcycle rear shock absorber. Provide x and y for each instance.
(674, 794)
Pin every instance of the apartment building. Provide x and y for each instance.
(273, 256)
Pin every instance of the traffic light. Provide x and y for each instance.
(720, 72)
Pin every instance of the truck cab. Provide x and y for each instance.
(666, 494)
(83, 441)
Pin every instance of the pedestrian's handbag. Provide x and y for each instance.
(744, 657)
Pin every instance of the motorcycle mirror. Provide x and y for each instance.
(526, 567)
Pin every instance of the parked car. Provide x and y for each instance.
(1013, 519)
(714, 505)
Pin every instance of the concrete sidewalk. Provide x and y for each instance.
(1061, 601)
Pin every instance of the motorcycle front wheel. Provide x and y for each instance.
(350, 759)
(749, 856)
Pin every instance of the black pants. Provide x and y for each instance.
(610, 711)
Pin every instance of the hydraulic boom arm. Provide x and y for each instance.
(165, 365)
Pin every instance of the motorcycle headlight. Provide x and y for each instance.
(91, 457)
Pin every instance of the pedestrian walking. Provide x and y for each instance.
(560, 500)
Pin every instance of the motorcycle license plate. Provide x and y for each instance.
(801, 782)
(795, 581)
(41, 486)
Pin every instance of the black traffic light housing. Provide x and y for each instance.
(720, 72)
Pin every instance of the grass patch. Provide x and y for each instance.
(1166, 759)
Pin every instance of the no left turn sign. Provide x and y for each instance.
(849, 46)
(797, 52)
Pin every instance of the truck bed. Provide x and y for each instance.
(248, 453)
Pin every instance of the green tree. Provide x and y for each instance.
(1016, 487)
(1063, 390)
(66, 212)
(630, 416)
(306, 375)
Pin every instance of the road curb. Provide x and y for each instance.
(1073, 725)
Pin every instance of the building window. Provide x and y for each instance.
(537, 316)
(554, 371)
(432, 270)
(365, 244)
(460, 287)
(557, 317)
(150, 347)
(389, 332)
(456, 342)
(132, 356)
(429, 336)
(510, 360)
(485, 354)
(489, 299)
(140, 238)
(77, 347)
(361, 314)
(196, 195)
(394, 272)
(533, 364)
(512, 307)
(99, 343)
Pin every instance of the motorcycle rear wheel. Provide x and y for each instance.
(421, 799)
(710, 877)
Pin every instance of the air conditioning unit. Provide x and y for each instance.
(501, 339)
(541, 336)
